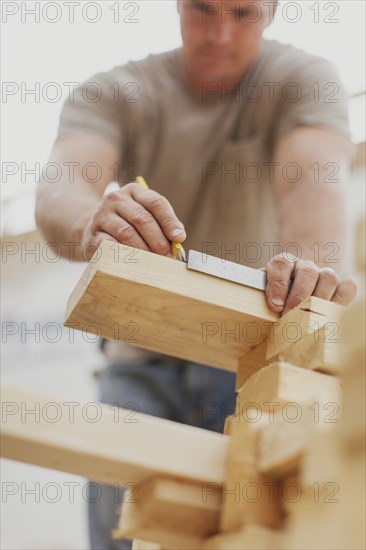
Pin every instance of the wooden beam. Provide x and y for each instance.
(353, 360)
(281, 386)
(360, 245)
(354, 410)
(328, 511)
(254, 360)
(170, 512)
(352, 334)
(307, 318)
(228, 423)
(139, 544)
(315, 351)
(307, 337)
(282, 444)
(249, 537)
(359, 160)
(157, 303)
(322, 461)
(105, 443)
(245, 495)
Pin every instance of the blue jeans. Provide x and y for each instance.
(181, 391)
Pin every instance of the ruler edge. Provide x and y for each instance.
(238, 266)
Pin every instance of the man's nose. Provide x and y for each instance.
(219, 33)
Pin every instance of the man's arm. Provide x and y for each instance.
(74, 214)
(311, 213)
(64, 208)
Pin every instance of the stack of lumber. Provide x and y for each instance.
(289, 471)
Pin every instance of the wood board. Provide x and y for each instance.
(307, 318)
(105, 443)
(174, 513)
(157, 303)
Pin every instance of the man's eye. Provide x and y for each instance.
(203, 8)
(249, 14)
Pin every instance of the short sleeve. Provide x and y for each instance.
(312, 95)
(94, 106)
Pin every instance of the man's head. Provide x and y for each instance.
(222, 37)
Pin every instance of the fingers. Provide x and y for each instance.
(122, 231)
(328, 281)
(345, 292)
(305, 278)
(161, 210)
(144, 226)
(139, 217)
(279, 272)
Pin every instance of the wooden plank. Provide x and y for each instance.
(307, 318)
(104, 443)
(352, 512)
(315, 351)
(311, 522)
(250, 363)
(228, 422)
(354, 409)
(323, 458)
(249, 537)
(329, 513)
(359, 160)
(282, 444)
(157, 303)
(310, 444)
(170, 512)
(139, 544)
(353, 359)
(245, 495)
(353, 330)
(360, 245)
(280, 386)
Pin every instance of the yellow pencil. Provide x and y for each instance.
(177, 249)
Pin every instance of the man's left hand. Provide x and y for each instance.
(307, 280)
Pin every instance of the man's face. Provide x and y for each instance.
(221, 37)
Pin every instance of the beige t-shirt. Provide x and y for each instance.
(210, 154)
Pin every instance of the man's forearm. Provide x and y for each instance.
(313, 218)
(65, 209)
(62, 212)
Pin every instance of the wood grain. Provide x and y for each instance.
(173, 513)
(156, 303)
(307, 318)
(120, 446)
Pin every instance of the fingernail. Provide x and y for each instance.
(278, 302)
(177, 232)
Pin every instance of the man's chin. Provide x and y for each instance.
(220, 71)
(217, 76)
(221, 75)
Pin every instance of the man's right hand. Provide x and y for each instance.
(75, 210)
(136, 217)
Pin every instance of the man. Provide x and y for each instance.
(246, 148)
